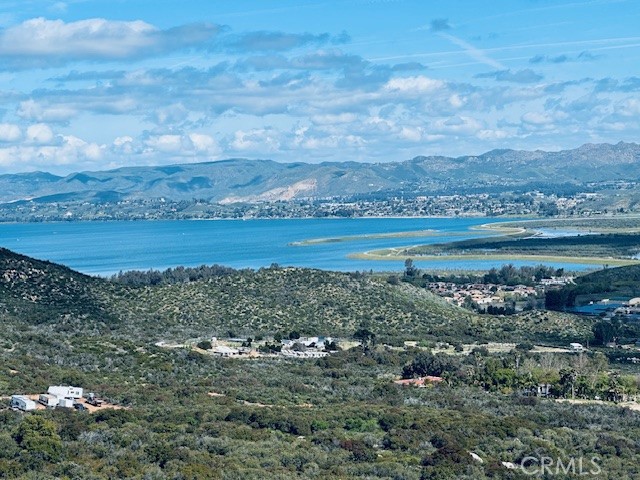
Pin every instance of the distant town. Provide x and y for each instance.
(609, 198)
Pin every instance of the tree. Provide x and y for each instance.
(429, 364)
(410, 270)
(39, 437)
(605, 331)
(366, 336)
(568, 377)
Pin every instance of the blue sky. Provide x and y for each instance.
(89, 85)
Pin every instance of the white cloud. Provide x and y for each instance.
(41, 42)
(204, 143)
(630, 107)
(32, 110)
(418, 84)
(458, 125)
(121, 141)
(487, 134)
(70, 151)
(10, 132)
(39, 133)
(165, 143)
(256, 140)
(78, 148)
(413, 134)
(95, 36)
(537, 118)
(457, 101)
(333, 118)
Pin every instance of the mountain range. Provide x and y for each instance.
(242, 180)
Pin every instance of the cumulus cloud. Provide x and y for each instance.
(520, 76)
(277, 94)
(9, 132)
(39, 134)
(419, 84)
(40, 42)
(68, 150)
(203, 143)
(35, 111)
(160, 147)
(256, 140)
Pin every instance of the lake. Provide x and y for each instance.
(104, 248)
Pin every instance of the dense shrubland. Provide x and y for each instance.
(192, 416)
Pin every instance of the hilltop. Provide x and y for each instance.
(248, 302)
(250, 181)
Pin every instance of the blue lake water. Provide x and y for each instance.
(105, 248)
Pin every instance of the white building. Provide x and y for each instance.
(22, 402)
(66, 402)
(48, 400)
(576, 347)
(64, 391)
(224, 351)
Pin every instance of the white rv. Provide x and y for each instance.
(22, 403)
(64, 391)
(48, 400)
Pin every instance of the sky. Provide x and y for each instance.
(94, 85)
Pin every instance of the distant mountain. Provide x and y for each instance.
(241, 180)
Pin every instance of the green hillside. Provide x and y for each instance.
(193, 416)
(37, 291)
(262, 302)
(620, 282)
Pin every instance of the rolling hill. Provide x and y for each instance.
(242, 180)
(48, 296)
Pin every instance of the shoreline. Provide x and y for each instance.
(372, 255)
(364, 236)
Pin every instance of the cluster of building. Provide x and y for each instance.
(482, 294)
(303, 347)
(57, 396)
(399, 203)
(631, 308)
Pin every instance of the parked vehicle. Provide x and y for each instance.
(93, 400)
(48, 400)
(22, 402)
